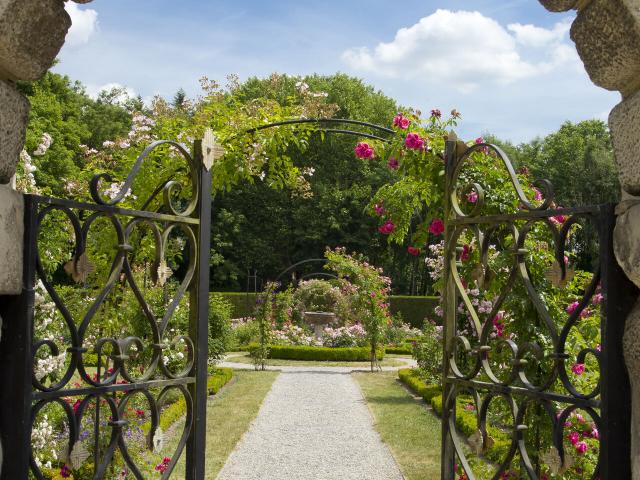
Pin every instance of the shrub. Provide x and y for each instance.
(428, 353)
(218, 378)
(318, 296)
(350, 354)
(402, 349)
(398, 331)
(411, 378)
(245, 333)
(220, 333)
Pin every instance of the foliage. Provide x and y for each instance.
(263, 318)
(413, 379)
(320, 296)
(412, 209)
(428, 353)
(220, 334)
(346, 354)
(368, 290)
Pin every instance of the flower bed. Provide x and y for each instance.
(346, 354)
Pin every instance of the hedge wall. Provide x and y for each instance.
(243, 303)
(350, 354)
(413, 309)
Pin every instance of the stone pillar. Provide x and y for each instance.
(607, 37)
(31, 35)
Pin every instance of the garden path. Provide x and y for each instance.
(313, 424)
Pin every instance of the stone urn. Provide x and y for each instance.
(319, 321)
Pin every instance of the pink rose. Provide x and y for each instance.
(401, 121)
(574, 437)
(436, 227)
(393, 163)
(379, 209)
(387, 227)
(466, 251)
(581, 448)
(364, 150)
(472, 197)
(538, 195)
(414, 141)
(572, 307)
(578, 368)
(597, 299)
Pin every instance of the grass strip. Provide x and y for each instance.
(411, 432)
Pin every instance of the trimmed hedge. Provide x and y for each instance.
(349, 354)
(466, 421)
(218, 379)
(402, 349)
(411, 379)
(413, 309)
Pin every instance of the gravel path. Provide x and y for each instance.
(313, 424)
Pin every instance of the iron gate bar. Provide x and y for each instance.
(20, 403)
(619, 296)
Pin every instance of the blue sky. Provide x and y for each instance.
(507, 65)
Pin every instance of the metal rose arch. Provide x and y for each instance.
(524, 390)
(137, 363)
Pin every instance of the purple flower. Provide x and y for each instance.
(436, 113)
(472, 197)
(578, 368)
(393, 163)
(379, 209)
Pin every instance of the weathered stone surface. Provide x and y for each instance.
(607, 36)
(31, 35)
(11, 242)
(14, 113)
(626, 238)
(558, 5)
(624, 123)
(631, 349)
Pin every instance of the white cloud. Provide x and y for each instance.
(84, 23)
(126, 92)
(465, 49)
(532, 36)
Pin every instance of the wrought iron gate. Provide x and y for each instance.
(135, 365)
(514, 402)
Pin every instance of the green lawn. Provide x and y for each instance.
(243, 357)
(228, 416)
(406, 426)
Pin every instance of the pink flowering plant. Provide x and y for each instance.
(369, 300)
(413, 215)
